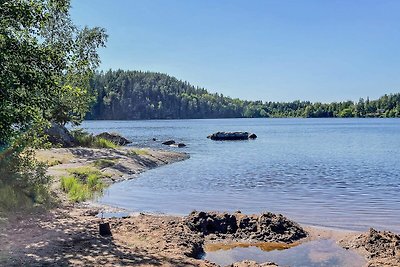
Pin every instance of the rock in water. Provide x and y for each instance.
(59, 135)
(223, 136)
(115, 138)
(252, 136)
(178, 145)
(169, 142)
(229, 136)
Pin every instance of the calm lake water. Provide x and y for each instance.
(341, 173)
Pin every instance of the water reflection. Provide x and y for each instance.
(324, 252)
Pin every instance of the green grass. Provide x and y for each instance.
(103, 143)
(104, 163)
(135, 152)
(85, 139)
(83, 183)
(82, 173)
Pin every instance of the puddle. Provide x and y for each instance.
(106, 215)
(323, 252)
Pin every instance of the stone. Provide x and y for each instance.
(59, 135)
(168, 142)
(224, 136)
(252, 136)
(115, 138)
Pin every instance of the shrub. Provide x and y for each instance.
(79, 192)
(94, 183)
(85, 139)
(67, 183)
(103, 143)
(84, 183)
(23, 180)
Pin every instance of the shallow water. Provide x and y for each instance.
(341, 173)
(323, 252)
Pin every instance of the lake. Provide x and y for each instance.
(340, 173)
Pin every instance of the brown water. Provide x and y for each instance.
(322, 252)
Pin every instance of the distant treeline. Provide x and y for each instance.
(128, 95)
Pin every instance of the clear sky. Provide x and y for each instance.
(280, 50)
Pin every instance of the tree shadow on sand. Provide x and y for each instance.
(56, 239)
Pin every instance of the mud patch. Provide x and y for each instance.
(266, 227)
(381, 248)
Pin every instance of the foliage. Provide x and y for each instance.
(135, 152)
(83, 183)
(23, 180)
(46, 64)
(82, 173)
(100, 142)
(147, 95)
(85, 139)
(76, 190)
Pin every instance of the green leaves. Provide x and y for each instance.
(46, 65)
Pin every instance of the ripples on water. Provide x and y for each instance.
(342, 173)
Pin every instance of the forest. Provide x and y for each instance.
(130, 95)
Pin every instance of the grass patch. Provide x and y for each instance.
(104, 163)
(83, 183)
(85, 139)
(76, 190)
(135, 152)
(82, 173)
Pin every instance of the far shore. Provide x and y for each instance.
(68, 233)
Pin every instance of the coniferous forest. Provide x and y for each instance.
(129, 95)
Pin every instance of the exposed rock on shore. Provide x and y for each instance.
(381, 248)
(267, 227)
(59, 135)
(115, 138)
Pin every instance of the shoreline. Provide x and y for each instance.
(68, 233)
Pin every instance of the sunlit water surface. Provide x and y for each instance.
(342, 173)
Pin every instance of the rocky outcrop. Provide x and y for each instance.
(381, 248)
(115, 138)
(266, 227)
(168, 142)
(226, 136)
(59, 135)
(252, 136)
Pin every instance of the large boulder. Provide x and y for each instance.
(224, 136)
(168, 142)
(266, 227)
(115, 138)
(180, 145)
(59, 135)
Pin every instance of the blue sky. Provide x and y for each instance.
(279, 50)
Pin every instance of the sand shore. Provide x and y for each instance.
(68, 234)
